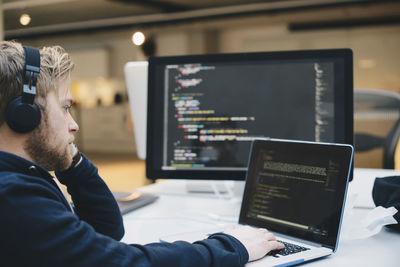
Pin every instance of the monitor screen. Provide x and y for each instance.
(204, 110)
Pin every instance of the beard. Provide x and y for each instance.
(40, 149)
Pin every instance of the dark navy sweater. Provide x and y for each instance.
(38, 227)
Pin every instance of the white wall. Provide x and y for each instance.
(376, 49)
(91, 63)
(97, 54)
(105, 54)
(172, 43)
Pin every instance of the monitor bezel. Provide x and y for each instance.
(155, 172)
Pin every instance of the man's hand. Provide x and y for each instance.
(73, 150)
(257, 241)
(76, 159)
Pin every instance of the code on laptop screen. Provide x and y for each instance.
(297, 187)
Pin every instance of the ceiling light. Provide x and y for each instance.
(25, 19)
(138, 38)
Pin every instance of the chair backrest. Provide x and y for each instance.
(390, 147)
(377, 115)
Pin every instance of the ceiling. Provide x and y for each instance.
(69, 16)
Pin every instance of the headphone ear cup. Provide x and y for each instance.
(22, 117)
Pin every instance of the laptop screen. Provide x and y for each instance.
(297, 188)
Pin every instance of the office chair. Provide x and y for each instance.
(378, 105)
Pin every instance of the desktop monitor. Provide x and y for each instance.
(136, 82)
(204, 110)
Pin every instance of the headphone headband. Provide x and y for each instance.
(31, 72)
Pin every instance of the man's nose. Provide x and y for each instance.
(73, 126)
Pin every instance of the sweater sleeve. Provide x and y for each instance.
(93, 201)
(37, 229)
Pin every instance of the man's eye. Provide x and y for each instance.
(67, 107)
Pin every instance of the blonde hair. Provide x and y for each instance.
(55, 66)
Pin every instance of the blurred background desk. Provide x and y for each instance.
(177, 211)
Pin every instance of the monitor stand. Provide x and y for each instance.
(131, 201)
(232, 190)
(225, 191)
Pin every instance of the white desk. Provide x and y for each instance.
(176, 212)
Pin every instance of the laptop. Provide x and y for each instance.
(297, 190)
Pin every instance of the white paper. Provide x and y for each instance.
(360, 227)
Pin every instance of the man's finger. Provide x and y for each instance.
(276, 245)
(270, 237)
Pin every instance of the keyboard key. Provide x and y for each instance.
(289, 249)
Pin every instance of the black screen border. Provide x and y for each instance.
(155, 116)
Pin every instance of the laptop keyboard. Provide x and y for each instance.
(289, 249)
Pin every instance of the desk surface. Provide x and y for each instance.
(177, 211)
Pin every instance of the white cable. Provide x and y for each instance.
(215, 189)
(229, 189)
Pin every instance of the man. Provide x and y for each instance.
(38, 226)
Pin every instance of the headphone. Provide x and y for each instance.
(22, 113)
